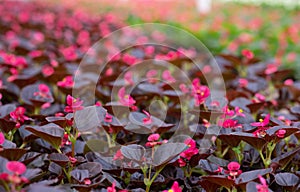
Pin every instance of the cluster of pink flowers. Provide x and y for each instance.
(73, 104)
(263, 187)
(18, 116)
(147, 120)
(44, 92)
(233, 170)
(66, 82)
(175, 188)
(188, 153)
(263, 125)
(126, 99)
(153, 140)
(14, 177)
(199, 92)
(227, 121)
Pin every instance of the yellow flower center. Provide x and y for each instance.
(170, 190)
(241, 111)
(261, 120)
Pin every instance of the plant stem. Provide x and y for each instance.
(225, 151)
(262, 157)
(149, 183)
(23, 145)
(67, 174)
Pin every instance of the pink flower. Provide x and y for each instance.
(128, 77)
(125, 99)
(147, 120)
(108, 118)
(98, 103)
(280, 133)
(288, 82)
(69, 53)
(46, 105)
(129, 59)
(271, 68)
(183, 88)
(153, 140)
(243, 82)
(260, 97)
(248, 54)
(16, 167)
(112, 188)
(188, 153)
(87, 181)
(199, 92)
(166, 75)
(219, 170)
(229, 123)
(4, 176)
(43, 92)
(73, 104)
(175, 188)
(65, 140)
(233, 170)
(18, 116)
(154, 137)
(262, 123)
(73, 160)
(239, 112)
(2, 138)
(228, 112)
(150, 76)
(47, 70)
(263, 187)
(35, 53)
(260, 132)
(149, 50)
(118, 155)
(67, 82)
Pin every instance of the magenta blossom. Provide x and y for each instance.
(125, 99)
(47, 70)
(43, 92)
(229, 123)
(73, 104)
(147, 120)
(108, 118)
(243, 82)
(2, 138)
(175, 188)
(69, 53)
(112, 188)
(18, 115)
(118, 155)
(271, 68)
(280, 133)
(199, 92)
(248, 54)
(128, 77)
(189, 152)
(263, 187)
(239, 112)
(262, 122)
(153, 140)
(16, 167)
(233, 170)
(167, 76)
(151, 76)
(66, 82)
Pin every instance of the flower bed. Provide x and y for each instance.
(160, 134)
